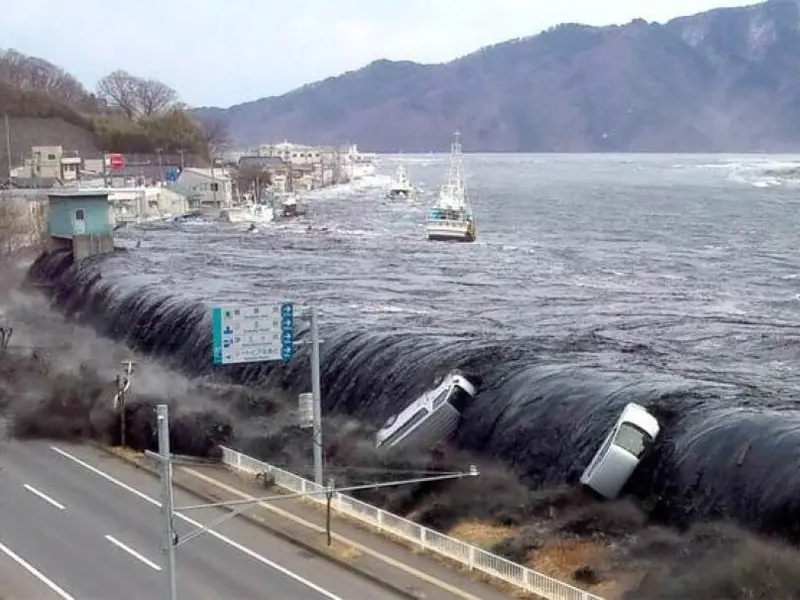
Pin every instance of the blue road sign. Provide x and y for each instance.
(252, 334)
(287, 331)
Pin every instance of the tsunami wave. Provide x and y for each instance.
(542, 406)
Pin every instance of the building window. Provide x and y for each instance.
(51, 157)
(214, 187)
(79, 214)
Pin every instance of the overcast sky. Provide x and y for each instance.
(226, 52)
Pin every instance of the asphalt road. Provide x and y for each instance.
(78, 524)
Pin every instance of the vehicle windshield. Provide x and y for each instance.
(633, 439)
(460, 398)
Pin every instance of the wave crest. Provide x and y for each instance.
(542, 407)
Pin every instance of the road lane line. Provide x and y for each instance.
(244, 549)
(35, 572)
(44, 497)
(133, 553)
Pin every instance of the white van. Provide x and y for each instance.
(431, 417)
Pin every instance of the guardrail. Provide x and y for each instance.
(472, 557)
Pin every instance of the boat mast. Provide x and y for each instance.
(455, 159)
(458, 185)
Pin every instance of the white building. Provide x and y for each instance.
(49, 162)
(297, 154)
(212, 188)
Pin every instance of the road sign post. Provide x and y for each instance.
(266, 333)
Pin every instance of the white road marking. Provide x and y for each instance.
(44, 497)
(35, 572)
(133, 553)
(244, 549)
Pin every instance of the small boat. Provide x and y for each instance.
(248, 214)
(450, 219)
(401, 186)
(290, 208)
(432, 417)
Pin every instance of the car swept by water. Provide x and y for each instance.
(616, 460)
(432, 417)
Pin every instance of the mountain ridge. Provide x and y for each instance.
(724, 80)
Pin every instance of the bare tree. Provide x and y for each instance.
(119, 89)
(215, 135)
(135, 96)
(29, 73)
(154, 97)
(14, 227)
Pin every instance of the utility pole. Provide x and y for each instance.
(160, 166)
(5, 338)
(8, 150)
(316, 391)
(123, 384)
(328, 498)
(165, 458)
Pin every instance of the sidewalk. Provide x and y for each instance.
(414, 573)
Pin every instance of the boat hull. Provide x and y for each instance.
(452, 231)
(400, 194)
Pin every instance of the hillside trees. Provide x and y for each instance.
(126, 114)
(31, 74)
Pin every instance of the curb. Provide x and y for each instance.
(276, 532)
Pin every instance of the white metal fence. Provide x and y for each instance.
(471, 556)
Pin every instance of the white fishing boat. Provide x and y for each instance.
(401, 186)
(250, 214)
(450, 219)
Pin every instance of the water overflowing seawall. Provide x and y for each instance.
(543, 407)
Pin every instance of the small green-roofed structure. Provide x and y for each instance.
(82, 220)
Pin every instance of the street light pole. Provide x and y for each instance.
(162, 412)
